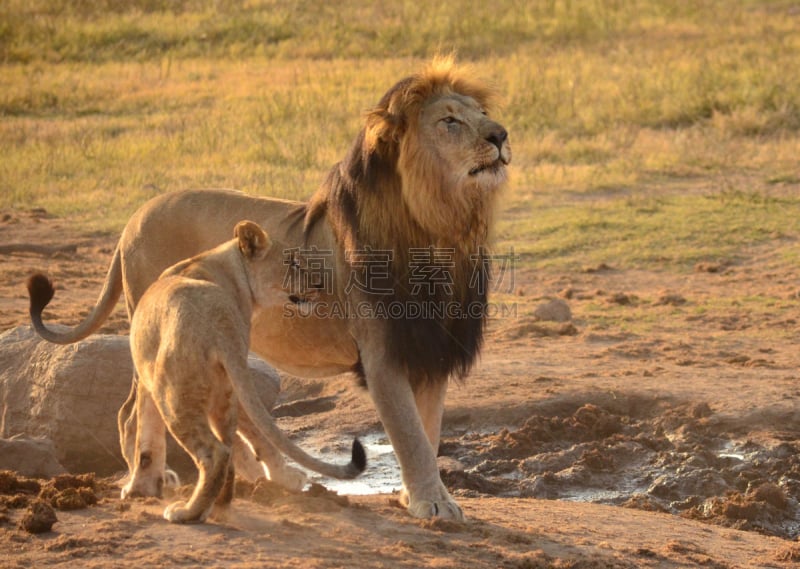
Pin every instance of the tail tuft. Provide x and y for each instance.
(40, 291)
(359, 456)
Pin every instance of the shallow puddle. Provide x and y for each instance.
(382, 475)
(662, 457)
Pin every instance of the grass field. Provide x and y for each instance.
(646, 133)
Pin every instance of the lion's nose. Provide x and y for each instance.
(497, 137)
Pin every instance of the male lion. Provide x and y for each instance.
(389, 271)
(189, 341)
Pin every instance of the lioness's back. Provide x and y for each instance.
(197, 314)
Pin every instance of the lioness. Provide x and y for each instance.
(189, 339)
(390, 273)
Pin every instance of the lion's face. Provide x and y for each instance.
(453, 159)
(472, 148)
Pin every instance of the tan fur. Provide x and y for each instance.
(424, 172)
(189, 340)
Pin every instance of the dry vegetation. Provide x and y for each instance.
(645, 132)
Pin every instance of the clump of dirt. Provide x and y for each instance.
(70, 492)
(10, 483)
(39, 518)
(643, 502)
(763, 509)
(534, 328)
(320, 491)
(623, 299)
(588, 423)
(16, 492)
(675, 458)
(64, 492)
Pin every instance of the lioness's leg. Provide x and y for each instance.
(212, 458)
(147, 478)
(226, 494)
(207, 439)
(397, 409)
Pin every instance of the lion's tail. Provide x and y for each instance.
(41, 291)
(263, 421)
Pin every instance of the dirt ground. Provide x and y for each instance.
(571, 445)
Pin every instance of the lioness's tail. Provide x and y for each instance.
(263, 421)
(40, 291)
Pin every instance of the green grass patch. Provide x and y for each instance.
(673, 231)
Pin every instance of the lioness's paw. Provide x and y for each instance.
(289, 477)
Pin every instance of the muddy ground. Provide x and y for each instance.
(666, 437)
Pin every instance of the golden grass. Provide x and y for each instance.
(645, 132)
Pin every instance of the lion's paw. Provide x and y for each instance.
(177, 513)
(289, 477)
(442, 506)
(445, 509)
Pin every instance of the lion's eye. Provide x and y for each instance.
(449, 120)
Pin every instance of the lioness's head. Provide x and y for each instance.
(451, 157)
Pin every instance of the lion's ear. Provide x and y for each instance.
(253, 241)
(382, 126)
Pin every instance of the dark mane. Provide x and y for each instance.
(434, 332)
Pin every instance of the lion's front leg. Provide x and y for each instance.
(430, 405)
(429, 398)
(425, 494)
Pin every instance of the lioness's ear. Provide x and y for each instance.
(253, 241)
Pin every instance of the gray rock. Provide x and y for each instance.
(30, 457)
(554, 310)
(70, 395)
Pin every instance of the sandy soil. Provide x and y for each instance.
(571, 445)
